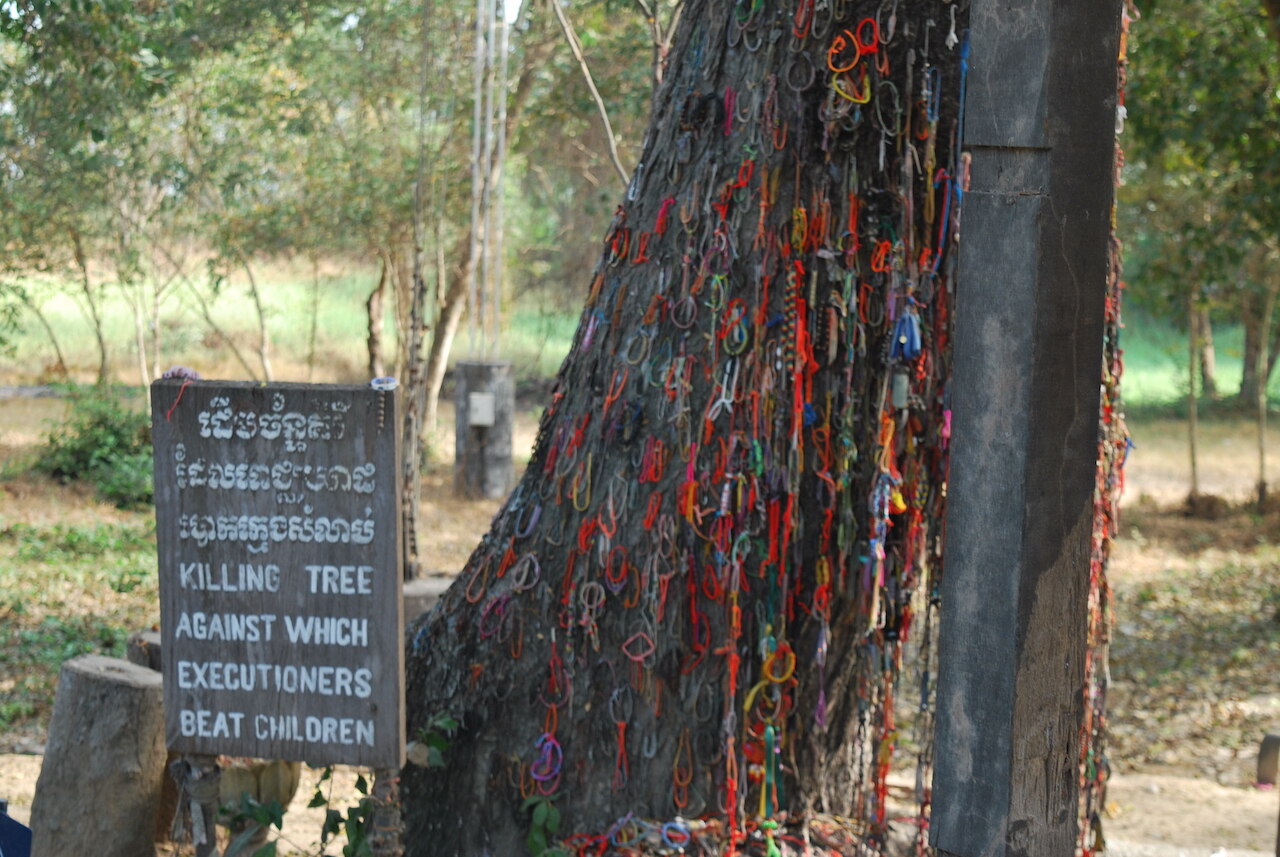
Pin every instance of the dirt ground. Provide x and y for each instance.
(1182, 756)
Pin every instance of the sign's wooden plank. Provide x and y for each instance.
(278, 534)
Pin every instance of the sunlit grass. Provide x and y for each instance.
(68, 590)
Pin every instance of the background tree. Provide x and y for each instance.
(698, 598)
(1203, 169)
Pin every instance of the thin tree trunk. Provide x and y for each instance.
(157, 333)
(1208, 356)
(1262, 450)
(375, 308)
(313, 329)
(1260, 402)
(1251, 320)
(575, 47)
(453, 287)
(95, 315)
(1273, 352)
(264, 337)
(140, 340)
(447, 322)
(698, 599)
(207, 315)
(1193, 352)
(48, 329)
(400, 269)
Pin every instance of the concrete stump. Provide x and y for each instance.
(103, 764)
(485, 404)
(144, 650)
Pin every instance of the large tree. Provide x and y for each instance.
(698, 599)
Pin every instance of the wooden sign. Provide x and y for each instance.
(280, 585)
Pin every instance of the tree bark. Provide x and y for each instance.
(48, 329)
(1260, 400)
(1256, 314)
(139, 337)
(447, 322)
(264, 336)
(1208, 356)
(207, 314)
(698, 599)
(95, 315)
(375, 307)
(1193, 411)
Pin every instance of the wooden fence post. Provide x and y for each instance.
(1040, 128)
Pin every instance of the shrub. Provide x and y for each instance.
(104, 442)
(126, 480)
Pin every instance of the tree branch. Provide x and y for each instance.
(576, 47)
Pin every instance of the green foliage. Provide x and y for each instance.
(10, 316)
(1203, 170)
(67, 590)
(436, 737)
(105, 442)
(354, 824)
(56, 640)
(544, 824)
(249, 817)
(127, 480)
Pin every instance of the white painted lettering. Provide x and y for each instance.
(339, 730)
(341, 579)
(327, 630)
(233, 627)
(202, 723)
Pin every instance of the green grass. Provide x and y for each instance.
(1155, 361)
(535, 336)
(68, 591)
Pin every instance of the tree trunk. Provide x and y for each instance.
(698, 599)
(1193, 411)
(207, 314)
(157, 332)
(48, 329)
(1257, 308)
(140, 336)
(1260, 400)
(1251, 317)
(1208, 356)
(375, 307)
(453, 293)
(95, 315)
(313, 326)
(264, 336)
(447, 323)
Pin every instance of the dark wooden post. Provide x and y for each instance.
(1039, 124)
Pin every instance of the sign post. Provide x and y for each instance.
(280, 584)
(1040, 128)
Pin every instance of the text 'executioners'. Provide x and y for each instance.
(322, 680)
